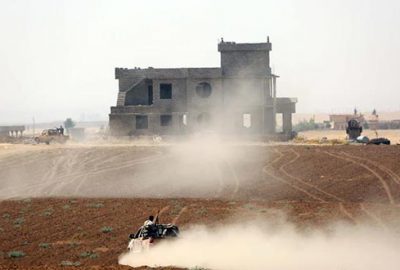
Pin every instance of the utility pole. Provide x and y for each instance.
(33, 126)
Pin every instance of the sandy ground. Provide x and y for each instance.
(56, 200)
(392, 134)
(321, 117)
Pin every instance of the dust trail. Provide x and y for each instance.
(260, 246)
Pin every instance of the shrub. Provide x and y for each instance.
(306, 125)
(69, 263)
(93, 256)
(250, 206)
(19, 221)
(73, 244)
(106, 229)
(89, 254)
(16, 254)
(95, 205)
(44, 245)
(201, 211)
(48, 212)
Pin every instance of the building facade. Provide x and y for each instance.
(12, 131)
(237, 98)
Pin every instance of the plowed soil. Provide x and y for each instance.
(65, 205)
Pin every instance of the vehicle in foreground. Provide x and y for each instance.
(149, 235)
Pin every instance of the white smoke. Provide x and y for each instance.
(258, 246)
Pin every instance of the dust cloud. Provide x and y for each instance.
(258, 245)
(204, 165)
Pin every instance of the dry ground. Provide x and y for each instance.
(314, 185)
(392, 134)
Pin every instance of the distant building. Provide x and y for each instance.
(237, 98)
(340, 120)
(11, 131)
(372, 121)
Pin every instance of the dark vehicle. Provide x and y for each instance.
(378, 141)
(147, 236)
(353, 129)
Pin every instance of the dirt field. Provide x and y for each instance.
(392, 134)
(77, 204)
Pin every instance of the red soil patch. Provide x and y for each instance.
(313, 186)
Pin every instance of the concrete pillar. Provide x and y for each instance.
(274, 102)
(287, 122)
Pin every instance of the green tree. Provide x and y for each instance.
(68, 123)
(327, 124)
(306, 125)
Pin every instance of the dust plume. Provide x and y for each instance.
(201, 166)
(257, 245)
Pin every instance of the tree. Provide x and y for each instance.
(327, 124)
(68, 123)
(306, 125)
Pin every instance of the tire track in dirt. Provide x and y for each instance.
(99, 163)
(53, 183)
(55, 164)
(18, 159)
(220, 179)
(266, 171)
(235, 177)
(84, 176)
(395, 177)
(50, 174)
(368, 168)
(225, 168)
(122, 165)
(284, 171)
(179, 214)
(165, 208)
(374, 217)
(347, 213)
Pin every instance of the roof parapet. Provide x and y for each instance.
(225, 46)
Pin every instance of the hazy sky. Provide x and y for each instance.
(57, 58)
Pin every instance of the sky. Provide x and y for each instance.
(57, 58)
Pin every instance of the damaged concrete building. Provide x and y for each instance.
(238, 98)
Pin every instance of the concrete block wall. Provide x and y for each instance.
(245, 59)
(178, 101)
(241, 86)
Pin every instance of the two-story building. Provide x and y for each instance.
(238, 98)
